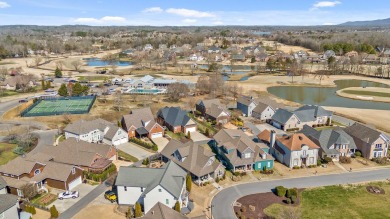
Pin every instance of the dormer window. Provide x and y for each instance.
(73, 170)
(37, 171)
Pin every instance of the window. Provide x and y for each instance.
(304, 153)
(167, 201)
(125, 188)
(247, 155)
(37, 171)
(20, 192)
(259, 165)
(378, 146)
(159, 190)
(268, 164)
(142, 189)
(73, 170)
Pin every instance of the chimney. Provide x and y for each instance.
(272, 139)
(152, 212)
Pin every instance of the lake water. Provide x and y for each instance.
(99, 62)
(326, 96)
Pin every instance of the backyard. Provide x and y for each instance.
(6, 152)
(348, 201)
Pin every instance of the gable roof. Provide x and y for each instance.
(261, 107)
(3, 183)
(215, 110)
(75, 152)
(282, 116)
(208, 103)
(245, 100)
(171, 177)
(18, 166)
(7, 201)
(161, 211)
(138, 118)
(196, 157)
(311, 112)
(362, 132)
(84, 126)
(296, 141)
(174, 116)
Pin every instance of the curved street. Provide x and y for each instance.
(223, 201)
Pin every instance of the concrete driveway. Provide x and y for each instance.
(134, 150)
(160, 142)
(63, 205)
(264, 126)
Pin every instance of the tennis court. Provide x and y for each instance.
(59, 106)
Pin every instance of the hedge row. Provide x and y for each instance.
(150, 146)
(102, 176)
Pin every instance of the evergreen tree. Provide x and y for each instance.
(85, 89)
(33, 211)
(177, 207)
(138, 210)
(189, 182)
(63, 91)
(189, 135)
(77, 89)
(43, 84)
(207, 132)
(48, 85)
(53, 212)
(58, 73)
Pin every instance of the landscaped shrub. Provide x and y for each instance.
(380, 160)
(54, 212)
(291, 192)
(296, 167)
(144, 144)
(236, 173)
(243, 209)
(102, 176)
(292, 129)
(344, 159)
(327, 160)
(288, 201)
(312, 166)
(145, 162)
(293, 199)
(358, 154)
(319, 162)
(281, 191)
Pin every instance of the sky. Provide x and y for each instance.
(190, 13)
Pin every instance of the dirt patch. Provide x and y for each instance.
(98, 211)
(244, 206)
(375, 190)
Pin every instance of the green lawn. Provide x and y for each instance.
(367, 93)
(176, 136)
(7, 93)
(6, 152)
(324, 128)
(342, 202)
(127, 156)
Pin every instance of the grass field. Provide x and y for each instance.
(367, 93)
(57, 107)
(342, 202)
(6, 152)
(127, 156)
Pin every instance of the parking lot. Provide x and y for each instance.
(64, 204)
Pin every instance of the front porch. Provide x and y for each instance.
(243, 168)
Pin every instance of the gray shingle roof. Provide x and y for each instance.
(7, 201)
(245, 100)
(161, 211)
(83, 126)
(282, 116)
(174, 116)
(362, 132)
(171, 177)
(3, 183)
(311, 112)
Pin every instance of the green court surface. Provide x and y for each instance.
(59, 106)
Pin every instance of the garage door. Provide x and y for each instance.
(277, 125)
(157, 135)
(74, 183)
(193, 129)
(120, 141)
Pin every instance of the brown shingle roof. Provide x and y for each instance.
(362, 132)
(83, 126)
(139, 118)
(161, 211)
(296, 141)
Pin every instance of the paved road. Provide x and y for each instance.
(83, 202)
(223, 201)
(45, 138)
(5, 106)
(252, 127)
(134, 150)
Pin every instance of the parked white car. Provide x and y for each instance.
(68, 194)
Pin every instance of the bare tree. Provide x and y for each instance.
(321, 74)
(118, 101)
(60, 64)
(3, 73)
(37, 60)
(177, 91)
(76, 65)
(29, 191)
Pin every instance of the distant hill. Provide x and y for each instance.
(382, 22)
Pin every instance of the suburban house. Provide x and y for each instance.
(306, 115)
(239, 152)
(141, 123)
(9, 205)
(148, 186)
(176, 120)
(17, 82)
(213, 110)
(195, 159)
(369, 141)
(334, 143)
(3, 186)
(98, 130)
(89, 156)
(41, 171)
(294, 151)
(259, 108)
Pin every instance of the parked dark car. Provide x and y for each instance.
(23, 101)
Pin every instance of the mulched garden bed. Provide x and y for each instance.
(260, 202)
(375, 190)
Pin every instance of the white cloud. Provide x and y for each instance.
(189, 13)
(218, 23)
(328, 23)
(113, 19)
(325, 4)
(4, 5)
(189, 20)
(153, 10)
(106, 19)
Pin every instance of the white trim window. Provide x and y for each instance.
(20, 192)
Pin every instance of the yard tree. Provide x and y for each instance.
(207, 132)
(138, 210)
(29, 191)
(54, 212)
(63, 91)
(177, 207)
(58, 73)
(85, 89)
(189, 135)
(48, 85)
(77, 89)
(189, 182)
(176, 91)
(76, 65)
(43, 84)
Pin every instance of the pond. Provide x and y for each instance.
(99, 62)
(326, 96)
(229, 68)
